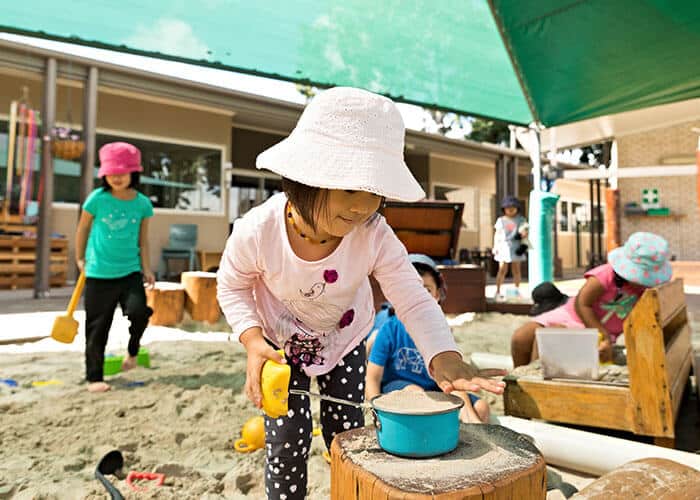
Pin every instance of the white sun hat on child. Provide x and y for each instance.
(347, 138)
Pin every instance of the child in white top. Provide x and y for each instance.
(294, 274)
(510, 242)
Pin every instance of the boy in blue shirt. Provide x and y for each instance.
(395, 363)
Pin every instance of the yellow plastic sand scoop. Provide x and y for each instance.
(65, 327)
(275, 388)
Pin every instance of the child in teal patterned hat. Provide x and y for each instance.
(607, 296)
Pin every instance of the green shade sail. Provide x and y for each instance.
(417, 51)
(561, 61)
(586, 58)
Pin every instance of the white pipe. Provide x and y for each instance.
(489, 360)
(588, 452)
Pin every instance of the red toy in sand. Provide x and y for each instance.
(159, 478)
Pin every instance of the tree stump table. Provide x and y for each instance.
(168, 303)
(200, 300)
(490, 462)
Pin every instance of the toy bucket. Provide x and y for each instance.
(418, 434)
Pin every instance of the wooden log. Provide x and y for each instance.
(200, 296)
(490, 462)
(208, 260)
(168, 303)
(650, 479)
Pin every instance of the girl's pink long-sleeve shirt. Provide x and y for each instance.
(319, 311)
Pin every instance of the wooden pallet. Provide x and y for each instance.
(16, 224)
(18, 261)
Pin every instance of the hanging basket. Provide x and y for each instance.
(66, 144)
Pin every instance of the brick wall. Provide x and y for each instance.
(677, 193)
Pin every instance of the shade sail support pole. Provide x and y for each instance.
(48, 117)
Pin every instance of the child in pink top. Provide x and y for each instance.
(607, 297)
(294, 274)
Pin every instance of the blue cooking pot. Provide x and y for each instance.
(418, 434)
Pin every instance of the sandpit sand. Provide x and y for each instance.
(182, 422)
(413, 403)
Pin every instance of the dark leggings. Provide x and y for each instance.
(288, 439)
(101, 299)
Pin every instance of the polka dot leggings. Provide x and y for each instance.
(288, 439)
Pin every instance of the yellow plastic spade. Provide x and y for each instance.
(275, 388)
(65, 327)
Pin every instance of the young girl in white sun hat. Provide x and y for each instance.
(294, 274)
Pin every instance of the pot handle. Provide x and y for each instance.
(376, 421)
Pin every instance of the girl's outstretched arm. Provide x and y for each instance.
(238, 272)
(590, 292)
(81, 238)
(423, 318)
(145, 254)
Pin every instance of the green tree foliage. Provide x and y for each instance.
(491, 131)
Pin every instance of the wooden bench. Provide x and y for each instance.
(659, 357)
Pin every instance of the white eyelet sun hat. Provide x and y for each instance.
(347, 138)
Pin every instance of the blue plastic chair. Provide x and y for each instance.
(182, 245)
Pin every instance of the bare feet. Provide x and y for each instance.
(129, 363)
(98, 387)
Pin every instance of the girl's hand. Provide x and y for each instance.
(605, 351)
(81, 265)
(451, 373)
(259, 351)
(149, 278)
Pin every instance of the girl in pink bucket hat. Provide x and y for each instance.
(294, 274)
(607, 296)
(112, 250)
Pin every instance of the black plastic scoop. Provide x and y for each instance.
(109, 464)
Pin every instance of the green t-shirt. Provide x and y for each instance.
(113, 246)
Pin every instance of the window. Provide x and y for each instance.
(176, 175)
(17, 181)
(248, 191)
(581, 215)
(250, 186)
(563, 216)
